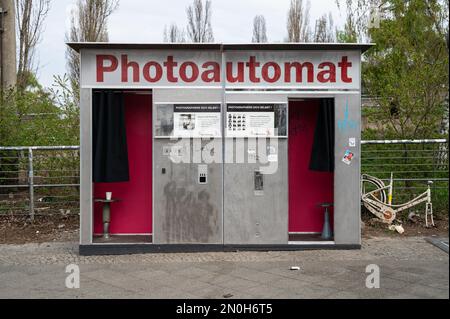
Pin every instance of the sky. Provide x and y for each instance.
(144, 20)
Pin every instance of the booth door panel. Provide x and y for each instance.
(255, 205)
(133, 213)
(188, 208)
(307, 189)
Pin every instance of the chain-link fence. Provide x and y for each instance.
(45, 180)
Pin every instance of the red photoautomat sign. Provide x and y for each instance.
(241, 69)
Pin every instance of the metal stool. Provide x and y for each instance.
(106, 214)
(326, 230)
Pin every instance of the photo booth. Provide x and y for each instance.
(212, 147)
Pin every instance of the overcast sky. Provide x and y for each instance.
(144, 21)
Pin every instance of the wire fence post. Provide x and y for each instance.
(31, 182)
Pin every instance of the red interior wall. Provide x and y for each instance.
(306, 188)
(132, 215)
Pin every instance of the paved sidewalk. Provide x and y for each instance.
(409, 268)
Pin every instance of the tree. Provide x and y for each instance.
(362, 15)
(298, 22)
(8, 65)
(324, 29)
(199, 27)
(30, 17)
(89, 23)
(174, 34)
(38, 116)
(259, 29)
(349, 34)
(407, 70)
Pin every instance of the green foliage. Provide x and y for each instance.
(407, 71)
(346, 37)
(349, 34)
(34, 116)
(407, 75)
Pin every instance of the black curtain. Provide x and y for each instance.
(110, 154)
(322, 155)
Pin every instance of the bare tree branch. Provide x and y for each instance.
(199, 27)
(174, 34)
(359, 14)
(298, 22)
(30, 16)
(324, 29)
(89, 23)
(259, 29)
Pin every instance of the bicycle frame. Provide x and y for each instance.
(384, 209)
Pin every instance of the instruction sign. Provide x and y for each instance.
(196, 120)
(250, 120)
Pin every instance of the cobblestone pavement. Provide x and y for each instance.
(410, 267)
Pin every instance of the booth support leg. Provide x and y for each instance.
(106, 220)
(326, 232)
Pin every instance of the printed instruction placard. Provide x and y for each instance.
(250, 120)
(196, 120)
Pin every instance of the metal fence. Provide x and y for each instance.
(39, 180)
(45, 180)
(413, 163)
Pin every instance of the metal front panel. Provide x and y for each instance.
(347, 206)
(228, 208)
(86, 205)
(251, 215)
(183, 95)
(187, 208)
